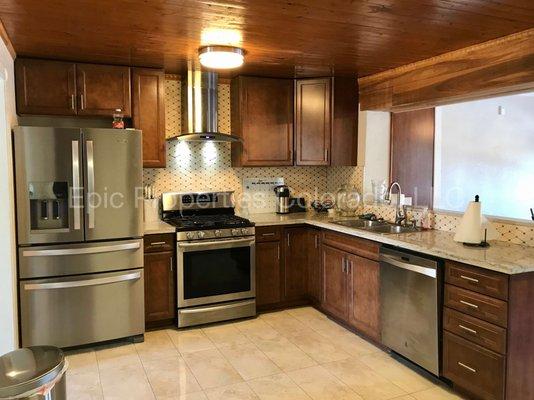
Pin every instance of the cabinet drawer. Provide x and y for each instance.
(268, 233)
(478, 305)
(478, 280)
(159, 242)
(483, 333)
(473, 368)
(361, 247)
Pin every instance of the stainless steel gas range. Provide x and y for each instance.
(215, 257)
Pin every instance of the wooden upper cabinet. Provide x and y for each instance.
(344, 146)
(149, 114)
(102, 89)
(45, 87)
(364, 295)
(262, 114)
(313, 121)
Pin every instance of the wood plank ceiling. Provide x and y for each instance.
(282, 38)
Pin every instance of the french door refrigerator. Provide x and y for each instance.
(79, 233)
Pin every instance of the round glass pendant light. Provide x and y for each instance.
(221, 57)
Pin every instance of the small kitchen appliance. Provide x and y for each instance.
(282, 199)
(215, 260)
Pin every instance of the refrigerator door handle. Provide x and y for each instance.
(76, 184)
(81, 250)
(86, 282)
(90, 183)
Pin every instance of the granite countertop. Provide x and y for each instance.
(158, 226)
(501, 256)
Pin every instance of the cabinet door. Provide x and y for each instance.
(262, 114)
(102, 89)
(45, 87)
(149, 114)
(268, 264)
(335, 285)
(364, 295)
(313, 122)
(295, 263)
(345, 123)
(160, 288)
(314, 265)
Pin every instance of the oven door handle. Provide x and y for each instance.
(190, 245)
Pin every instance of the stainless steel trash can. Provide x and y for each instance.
(36, 373)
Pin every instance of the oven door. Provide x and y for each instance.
(215, 271)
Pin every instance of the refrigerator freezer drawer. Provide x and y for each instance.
(78, 310)
(83, 258)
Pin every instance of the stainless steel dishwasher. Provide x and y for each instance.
(410, 307)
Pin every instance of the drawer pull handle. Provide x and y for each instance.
(158, 243)
(268, 234)
(465, 328)
(469, 304)
(467, 367)
(468, 278)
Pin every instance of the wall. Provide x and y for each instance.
(201, 166)
(8, 291)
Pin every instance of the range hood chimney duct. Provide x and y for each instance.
(200, 107)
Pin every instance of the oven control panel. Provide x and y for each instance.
(215, 234)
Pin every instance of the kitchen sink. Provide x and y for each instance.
(376, 226)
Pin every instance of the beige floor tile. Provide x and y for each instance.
(256, 329)
(286, 355)
(211, 368)
(82, 361)
(126, 383)
(188, 396)
(318, 347)
(406, 397)
(319, 384)
(303, 313)
(436, 393)
(363, 380)
(249, 361)
(116, 356)
(84, 386)
(237, 391)
(157, 345)
(402, 376)
(277, 387)
(353, 344)
(284, 322)
(225, 335)
(170, 377)
(190, 340)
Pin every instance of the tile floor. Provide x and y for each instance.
(294, 354)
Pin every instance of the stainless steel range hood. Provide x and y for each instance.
(199, 109)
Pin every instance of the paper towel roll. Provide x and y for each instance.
(470, 228)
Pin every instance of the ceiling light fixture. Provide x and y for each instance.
(221, 57)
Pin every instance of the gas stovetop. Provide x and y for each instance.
(203, 222)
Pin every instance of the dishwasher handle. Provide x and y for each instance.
(431, 272)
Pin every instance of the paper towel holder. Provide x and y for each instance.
(469, 220)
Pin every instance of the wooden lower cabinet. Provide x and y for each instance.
(160, 279)
(335, 282)
(314, 266)
(295, 263)
(473, 367)
(364, 296)
(268, 258)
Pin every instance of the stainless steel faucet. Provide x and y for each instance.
(400, 213)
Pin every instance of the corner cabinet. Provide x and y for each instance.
(304, 122)
(148, 98)
(160, 279)
(262, 115)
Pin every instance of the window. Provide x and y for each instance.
(486, 147)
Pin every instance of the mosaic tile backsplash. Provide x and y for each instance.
(207, 166)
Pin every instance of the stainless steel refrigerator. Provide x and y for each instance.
(79, 231)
